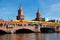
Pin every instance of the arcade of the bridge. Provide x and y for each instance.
(33, 28)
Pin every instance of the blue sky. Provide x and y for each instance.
(48, 8)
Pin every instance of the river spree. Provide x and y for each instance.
(31, 36)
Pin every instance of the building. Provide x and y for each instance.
(23, 23)
(38, 17)
(20, 15)
(20, 19)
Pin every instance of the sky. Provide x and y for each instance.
(48, 9)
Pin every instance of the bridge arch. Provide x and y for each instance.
(3, 32)
(24, 30)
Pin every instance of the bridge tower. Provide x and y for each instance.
(20, 15)
(38, 17)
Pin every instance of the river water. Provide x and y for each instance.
(31, 36)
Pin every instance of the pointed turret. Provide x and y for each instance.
(20, 14)
(38, 18)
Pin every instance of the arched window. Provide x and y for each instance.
(57, 27)
(19, 24)
(1, 24)
(24, 24)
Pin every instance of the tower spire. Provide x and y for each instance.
(20, 14)
(38, 18)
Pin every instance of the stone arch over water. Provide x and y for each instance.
(2, 32)
(24, 31)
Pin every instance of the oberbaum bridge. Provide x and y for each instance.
(21, 25)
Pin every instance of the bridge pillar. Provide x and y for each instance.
(37, 28)
(59, 28)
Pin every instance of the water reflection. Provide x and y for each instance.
(17, 36)
(31, 36)
(38, 36)
(5, 37)
(51, 36)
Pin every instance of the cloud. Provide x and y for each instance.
(55, 6)
(53, 11)
(42, 3)
(3, 8)
(7, 12)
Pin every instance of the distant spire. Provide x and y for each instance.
(20, 14)
(38, 18)
(38, 12)
(20, 7)
(20, 11)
